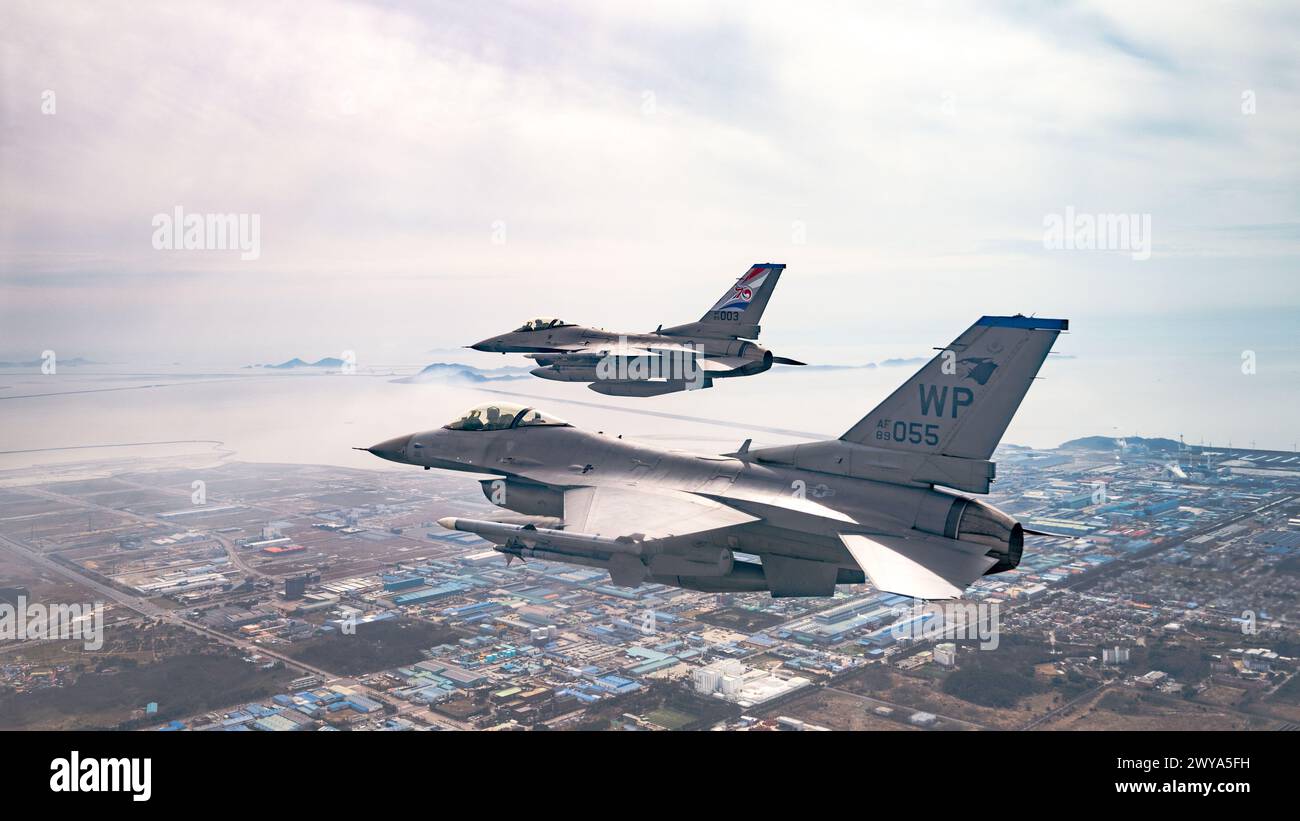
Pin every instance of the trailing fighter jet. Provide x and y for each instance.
(877, 504)
(683, 357)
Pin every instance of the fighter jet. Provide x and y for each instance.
(885, 502)
(683, 357)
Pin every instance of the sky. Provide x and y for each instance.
(425, 175)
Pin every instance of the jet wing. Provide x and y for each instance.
(645, 514)
(556, 349)
(715, 364)
(607, 349)
(776, 510)
(923, 567)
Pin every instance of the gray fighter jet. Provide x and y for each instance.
(876, 504)
(683, 357)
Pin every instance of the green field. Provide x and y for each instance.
(670, 718)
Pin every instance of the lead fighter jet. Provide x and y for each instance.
(871, 505)
(683, 357)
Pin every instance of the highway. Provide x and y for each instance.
(148, 609)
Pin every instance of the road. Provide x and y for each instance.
(1064, 708)
(148, 609)
(902, 711)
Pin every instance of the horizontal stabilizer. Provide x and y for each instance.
(721, 364)
(924, 567)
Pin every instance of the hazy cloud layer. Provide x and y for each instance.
(632, 157)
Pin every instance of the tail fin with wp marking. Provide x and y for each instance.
(960, 403)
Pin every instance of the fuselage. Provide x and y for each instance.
(573, 353)
(801, 513)
(671, 359)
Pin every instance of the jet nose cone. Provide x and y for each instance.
(493, 344)
(394, 450)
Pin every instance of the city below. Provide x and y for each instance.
(275, 597)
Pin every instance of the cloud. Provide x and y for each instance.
(625, 153)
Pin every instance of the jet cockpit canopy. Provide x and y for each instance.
(502, 416)
(542, 323)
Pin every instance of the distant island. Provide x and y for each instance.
(456, 372)
(1113, 443)
(327, 362)
(36, 363)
